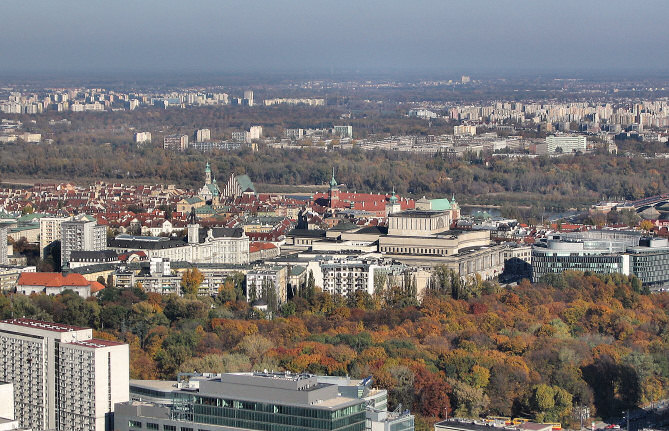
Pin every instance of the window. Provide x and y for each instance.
(152, 426)
(135, 424)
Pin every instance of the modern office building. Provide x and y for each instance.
(63, 378)
(81, 235)
(378, 418)
(558, 256)
(648, 261)
(49, 231)
(244, 401)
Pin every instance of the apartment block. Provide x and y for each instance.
(4, 259)
(81, 235)
(64, 379)
(49, 232)
(175, 142)
(202, 135)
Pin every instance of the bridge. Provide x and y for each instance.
(653, 201)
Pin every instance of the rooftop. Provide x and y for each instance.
(96, 343)
(46, 326)
(417, 213)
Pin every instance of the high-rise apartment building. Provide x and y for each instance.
(49, 232)
(248, 98)
(81, 235)
(343, 131)
(202, 135)
(566, 144)
(63, 378)
(143, 137)
(175, 142)
(4, 259)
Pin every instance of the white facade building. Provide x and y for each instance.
(202, 135)
(567, 144)
(63, 378)
(49, 231)
(343, 131)
(143, 137)
(4, 259)
(81, 235)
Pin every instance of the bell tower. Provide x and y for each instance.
(334, 191)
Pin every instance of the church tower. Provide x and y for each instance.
(207, 174)
(334, 191)
(393, 204)
(455, 209)
(193, 228)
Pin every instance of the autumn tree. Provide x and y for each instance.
(191, 281)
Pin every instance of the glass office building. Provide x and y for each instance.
(241, 401)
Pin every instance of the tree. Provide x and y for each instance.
(191, 281)
(647, 225)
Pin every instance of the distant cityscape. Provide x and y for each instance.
(245, 254)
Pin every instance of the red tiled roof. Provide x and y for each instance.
(255, 247)
(52, 279)
(96, 287)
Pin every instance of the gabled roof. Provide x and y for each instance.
(245, 183)
(52, 279)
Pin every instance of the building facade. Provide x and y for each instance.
(49, 231)
(81, 235)
(248, 401)
(63, 378)
(4, 258)
(175, 142)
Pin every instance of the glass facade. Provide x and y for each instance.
(405, 424)
(276, 417)
(546, 263)
(652, 269)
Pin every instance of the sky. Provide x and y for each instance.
(468, 36)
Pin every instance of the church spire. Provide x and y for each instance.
(333, 182)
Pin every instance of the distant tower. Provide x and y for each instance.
(207, 174)
(455, 209)
(193, 228)
(393, 205)
(334, 191)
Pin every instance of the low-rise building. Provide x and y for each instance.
(292, 401)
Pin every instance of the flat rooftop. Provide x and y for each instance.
(157, 385)
(96, 343)
(45, 326)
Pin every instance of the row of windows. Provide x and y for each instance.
(278, 408)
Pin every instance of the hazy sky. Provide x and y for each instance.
(468, 36)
